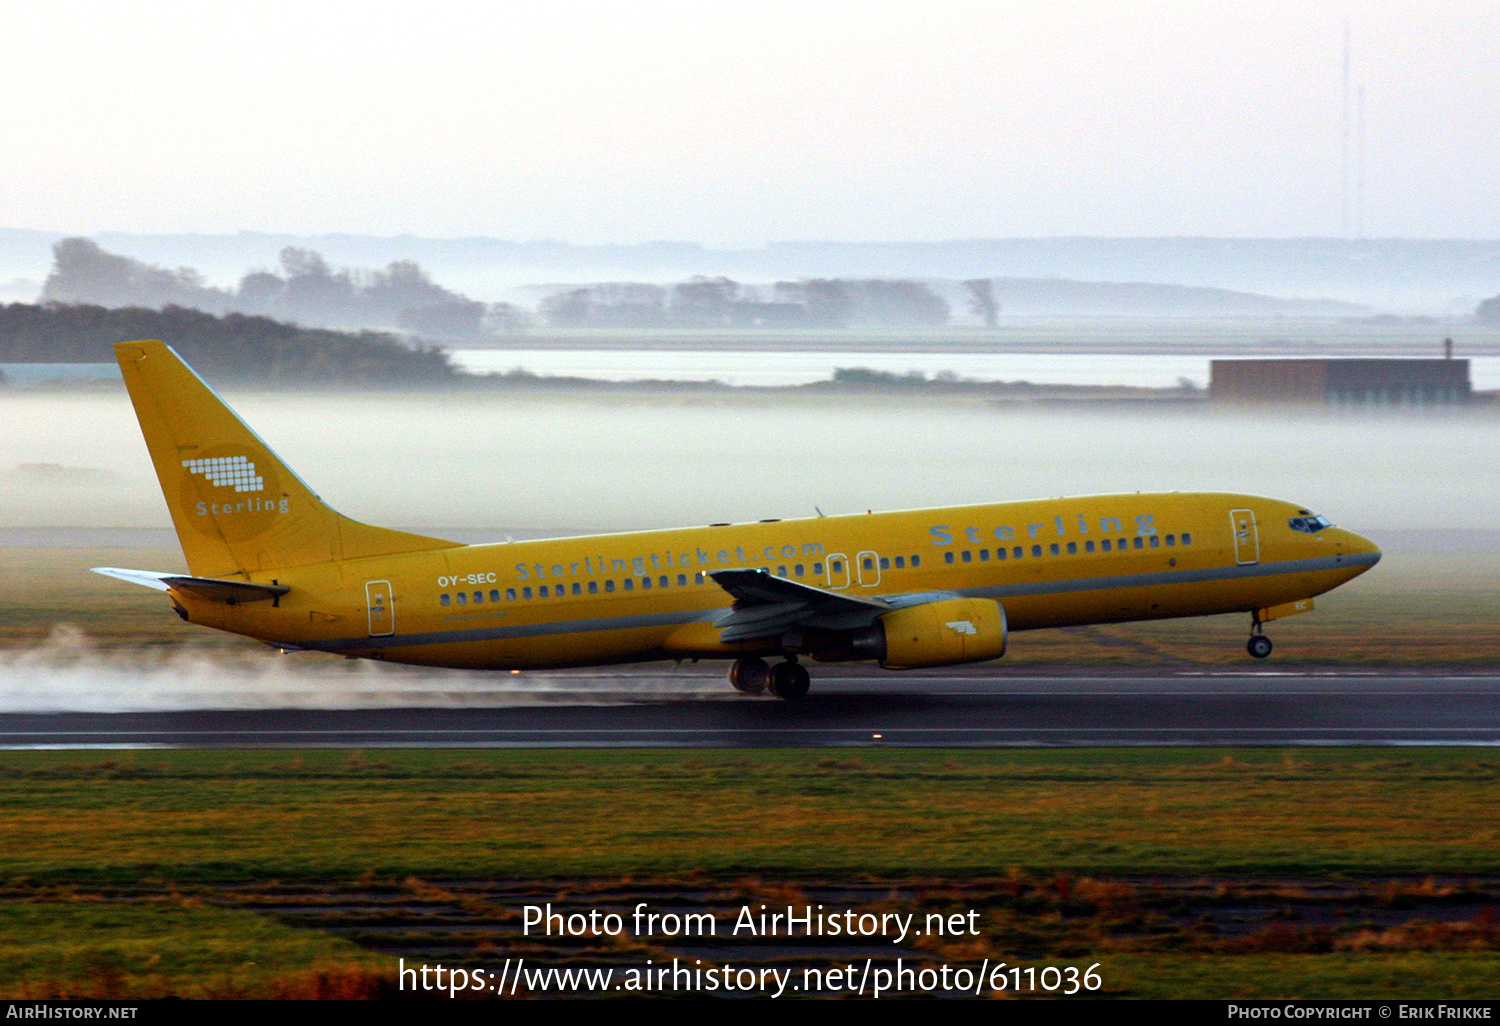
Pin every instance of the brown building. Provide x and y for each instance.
(1389, 383)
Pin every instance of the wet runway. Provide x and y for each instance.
(961, 708)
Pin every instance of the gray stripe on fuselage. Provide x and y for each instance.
(1219, 573)
(625, 623)
(525, 630)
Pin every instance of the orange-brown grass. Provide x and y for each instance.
(109, 949)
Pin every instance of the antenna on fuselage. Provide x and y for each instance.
(820, 512)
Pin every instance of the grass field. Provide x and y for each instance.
(228, 816)
(1184, 872)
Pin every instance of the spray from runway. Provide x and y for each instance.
(68, 673)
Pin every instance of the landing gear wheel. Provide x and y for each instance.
(750, 675)
(789, 681)
(1259, 646)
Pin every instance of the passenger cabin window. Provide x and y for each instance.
(1171, 539)
(663, 581)
(1088, 546)
(1072, 548)
(799, 570)
(629, 584)
(838, 566)
(593, 587)
(495, 595)
(869, 563)
(968, 556)
(645, 582)
(463, 599)
(1054, 549)
(947, 557)
(916, 561)
(1139, 543)
(1018, 552)
(682, 580)
(817, 570)
(900, 563)
(526, 593)
(885, 562)
(1036, 551)
(999, 553)
(1105, 545)
(510, 593)
(1155, 541)
(444, 599)
(609, 585)
(698, 577)
(1187, 539)
(781, 571)
(577, 588)
(542, 592)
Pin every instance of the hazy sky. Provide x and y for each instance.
(742, 123)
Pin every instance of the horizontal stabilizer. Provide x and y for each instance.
(229, 592)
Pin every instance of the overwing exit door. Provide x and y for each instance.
(1246, 536)
(381, 608)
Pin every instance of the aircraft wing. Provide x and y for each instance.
(229, 592)
(765, 605)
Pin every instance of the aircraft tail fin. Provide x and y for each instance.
(237, 508)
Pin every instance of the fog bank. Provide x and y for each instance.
(608, 463)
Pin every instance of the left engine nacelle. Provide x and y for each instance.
(943, 633)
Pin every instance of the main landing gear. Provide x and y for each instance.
(1259, 645)
(788, 680)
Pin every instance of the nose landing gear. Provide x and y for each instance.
(1259, 645)
(753, 676)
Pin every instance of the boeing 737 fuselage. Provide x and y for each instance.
(267, 559)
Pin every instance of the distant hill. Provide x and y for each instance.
(1390, 273)
(1034, 296)
(232, 348)
(1448, 276)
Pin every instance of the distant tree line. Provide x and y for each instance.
(307, 291)
(1489, 312)
(723, 303)
(233, 347)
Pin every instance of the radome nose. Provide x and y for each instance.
(1359, 545)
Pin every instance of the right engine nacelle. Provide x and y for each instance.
(942, 633)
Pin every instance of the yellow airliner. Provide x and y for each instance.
(917, 588)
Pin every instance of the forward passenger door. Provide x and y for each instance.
(1246, 536)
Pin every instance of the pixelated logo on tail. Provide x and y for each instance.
(235, 472)
(233, 493)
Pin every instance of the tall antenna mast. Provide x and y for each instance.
(1359, 164)
(1344, 183)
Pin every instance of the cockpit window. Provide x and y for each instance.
(1309, 524)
